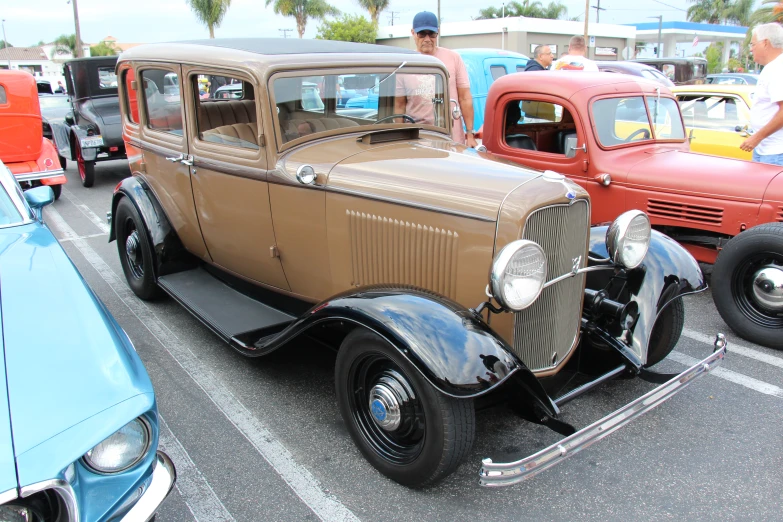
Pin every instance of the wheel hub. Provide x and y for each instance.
(132, 247)
(768, 288)
(386, 400)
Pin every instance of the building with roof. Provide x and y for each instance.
(691, 34)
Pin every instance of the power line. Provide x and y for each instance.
(672, 6)
(285, 32)
(598, 10)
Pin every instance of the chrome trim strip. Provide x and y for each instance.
(46, 174)
(62, 488)
(410, 204)
(8, 496)
(163, 477)
(576, 273)
(504, 474)
(500, 210)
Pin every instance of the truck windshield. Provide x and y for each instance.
(627, 119)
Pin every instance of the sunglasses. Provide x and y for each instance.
(425, 34)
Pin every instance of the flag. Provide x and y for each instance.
(695, 41)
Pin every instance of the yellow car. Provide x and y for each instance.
(715, 117)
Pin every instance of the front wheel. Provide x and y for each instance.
(748, 284)
(135, 251)
(86, 169)
(407, 429)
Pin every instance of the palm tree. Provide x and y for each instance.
(554, 10)
(210, 12)
(772, 12)
(301, 10)
(739, 12)
(526, 8)
(374, 7)
(65, 44)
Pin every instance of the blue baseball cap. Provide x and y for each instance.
(425, 21)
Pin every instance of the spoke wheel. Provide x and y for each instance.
(86, 169)
(748, 284)
(407, 429)
(135, 251)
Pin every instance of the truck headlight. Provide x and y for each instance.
(628, 239)
(120, 450)
(518, 274)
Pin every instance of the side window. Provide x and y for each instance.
(538, 125)
(497, 71)
(668, 70)
(106, 78)
(621, 120)
(131, 98)
(164, 109)
(712, 112)
(3, 98)
(520, 68)
(226, 110)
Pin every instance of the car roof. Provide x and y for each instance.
(270, 46)
(567, 83)
(488, 52)
(624, 64)
(718, 88)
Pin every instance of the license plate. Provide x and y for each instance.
(92, 141)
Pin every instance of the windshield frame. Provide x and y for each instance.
(383, 70)
(10, 186)
(653, 139)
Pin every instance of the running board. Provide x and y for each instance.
(222, 309)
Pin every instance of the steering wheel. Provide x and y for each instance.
(403, 116)
(646, 133)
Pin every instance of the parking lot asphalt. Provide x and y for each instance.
(262, 439)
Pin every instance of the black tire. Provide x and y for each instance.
(435, 432)
(57, 189)
(86, 169)
(135, 251)
(743, 256)
(63, 162)
(666, 332)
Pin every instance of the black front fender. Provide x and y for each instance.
(667, 273)
(62, 139)
(77, 133)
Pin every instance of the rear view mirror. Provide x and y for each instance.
(38, 198)
(359, 81)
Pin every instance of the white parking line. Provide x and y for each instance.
(203, 503)
(728, 375)
(92, 216)
(325, 506)
(745, 351)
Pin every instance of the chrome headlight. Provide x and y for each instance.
(518, 274)
(122, 449)
(628, 239)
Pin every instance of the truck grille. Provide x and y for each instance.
(547, 331)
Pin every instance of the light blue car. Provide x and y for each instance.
(78, 418)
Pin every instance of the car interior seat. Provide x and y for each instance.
(521, 141)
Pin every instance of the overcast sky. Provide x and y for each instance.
(139, 21)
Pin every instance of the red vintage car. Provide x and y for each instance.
(31, 158)
(623, 139)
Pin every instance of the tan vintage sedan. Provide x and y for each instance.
(439, 274)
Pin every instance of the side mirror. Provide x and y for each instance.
(455, 112)
(69, 118)
(571, 147)
(38, 198)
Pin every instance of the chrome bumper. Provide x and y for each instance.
(33, 176)
(499, 474)
(163, 477)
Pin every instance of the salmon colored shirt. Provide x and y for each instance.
(420, 90)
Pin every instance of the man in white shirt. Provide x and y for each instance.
(766, 115)
(575, 59)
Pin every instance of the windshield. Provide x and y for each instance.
(54, 102)
(309, 105)
(626, 119)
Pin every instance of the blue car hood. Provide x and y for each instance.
(66, 359)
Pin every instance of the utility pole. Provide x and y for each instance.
(285, 32)
(438, 16)
(79, 52)
(587, 16)
(392, 14)
(660, 26)
(598, 10)
(5, 46)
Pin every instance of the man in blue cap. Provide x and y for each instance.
(425, 34)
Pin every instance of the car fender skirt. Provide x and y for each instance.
(667, 273)
(170, 254)
(452, 347)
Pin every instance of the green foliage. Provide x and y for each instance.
(737, 12)
(771, 11)
(714, 55)
(302, 10)
(553, 10)
(104, 49)
(4, 44)
(374, 7)
(210, 12)
(349, 28)
(65, 44)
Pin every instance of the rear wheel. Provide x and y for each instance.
(408, 430)
(63, 162)
(135, 251)
(666, 332)
(86, 169)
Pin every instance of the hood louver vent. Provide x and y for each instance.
(779, 216)
(685, 212)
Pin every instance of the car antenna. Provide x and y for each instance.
(403, 64)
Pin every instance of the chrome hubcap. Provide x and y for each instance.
(386, 398)
(768, 288)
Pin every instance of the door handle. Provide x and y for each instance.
(187, 160)
(175, 159)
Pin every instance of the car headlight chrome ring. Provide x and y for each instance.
(518, 274)
(628, 239)
(122, 449)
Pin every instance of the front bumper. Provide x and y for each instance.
(504, 474)
(163, 477)
(41, 175)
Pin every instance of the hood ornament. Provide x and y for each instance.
(555, 177)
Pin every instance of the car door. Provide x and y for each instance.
(164, 146)
(712, 119)
(229, 176)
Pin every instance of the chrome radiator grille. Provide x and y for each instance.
(546, 332)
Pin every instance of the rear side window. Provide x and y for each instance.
(225, 110)
(131, 98)
(3, 99)
(520, 68)
(497, 71)
(164, 106)
(106, 78)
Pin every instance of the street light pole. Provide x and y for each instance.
(79, 52)
(587, 16)
(660, 26)
(5, 46)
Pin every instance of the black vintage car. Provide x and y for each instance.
(92, 131)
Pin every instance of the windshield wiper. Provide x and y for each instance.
(403, 64)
